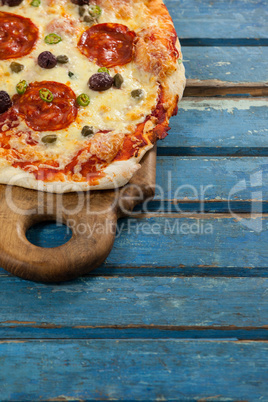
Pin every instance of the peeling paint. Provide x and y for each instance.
(221, 104)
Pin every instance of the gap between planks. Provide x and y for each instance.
(47, 331)
(107, 271)
(222, 42)
(200, 206)
(223, 88)
(194, 215)
(218, 151)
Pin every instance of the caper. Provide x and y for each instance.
(62, 59)
(49, 139)
(82, 10)
(137, 94)
(16, 67)
(86, 131)
(88, 19)
(118, 80)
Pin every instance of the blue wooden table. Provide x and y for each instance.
(179, 309)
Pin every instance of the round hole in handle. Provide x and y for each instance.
(48, 234)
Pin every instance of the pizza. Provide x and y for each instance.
(87, 88)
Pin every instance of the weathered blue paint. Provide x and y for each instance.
(141, 302)
(233, 64)
(161, 206)
(219, 19)
(219, 123)
(228, 244)
(186, 178)
(39, 234)
(223, 207)
(134, 370)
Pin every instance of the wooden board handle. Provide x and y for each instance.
(82, 253)
(91, 216)
(76, 257)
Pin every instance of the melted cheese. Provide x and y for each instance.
(113, 110)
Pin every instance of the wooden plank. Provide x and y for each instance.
(208, 207)
(193, 245)
(224, 63)
(133, 370)
(221, 88)
(206, 241)
(219, 19)
(134, 303)
(211, 178)
(219, 122)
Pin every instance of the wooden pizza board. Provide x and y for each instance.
(96, 211)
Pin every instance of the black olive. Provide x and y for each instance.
(87, 131)
(80, 2)
(5, 101)
(47, 60)
(11, 3)
(100, 82)
(118, 80)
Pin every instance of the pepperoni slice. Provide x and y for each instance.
(108, 45)
(43, 116)
(17, 36)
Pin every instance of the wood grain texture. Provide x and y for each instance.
(21, 208)
(220, 242)
(171, 302)
(211, 178)
(224, 63)
(218, 127)
(216, 87)
(133, 370)
(217, 123)
(219, 19)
